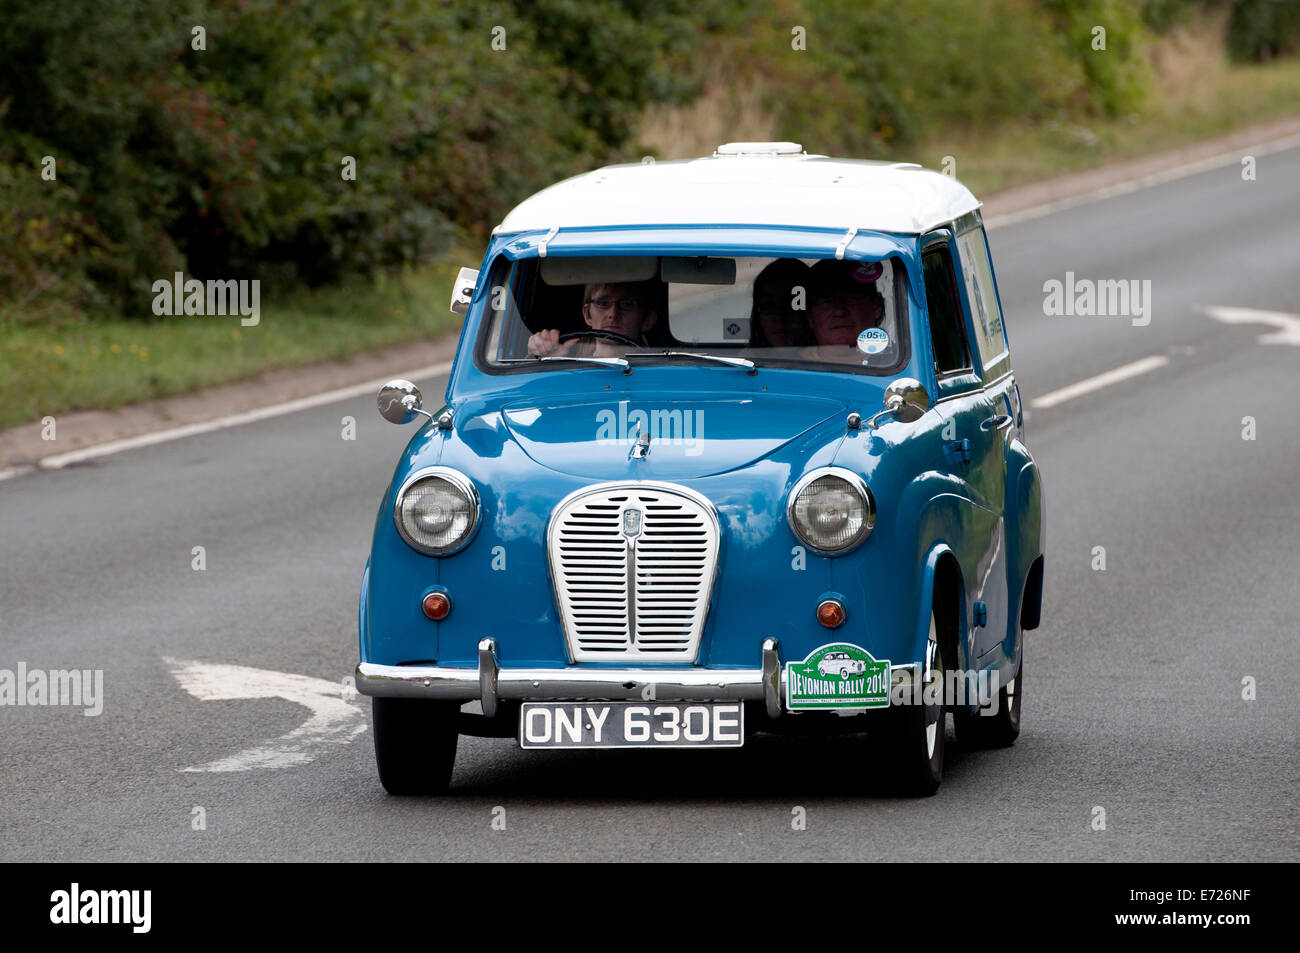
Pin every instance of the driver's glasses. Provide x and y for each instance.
(626, 305)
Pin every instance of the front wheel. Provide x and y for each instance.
(918, 730)
(415, 744)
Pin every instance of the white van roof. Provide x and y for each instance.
(750, 183)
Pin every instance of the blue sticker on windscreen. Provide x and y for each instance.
(735, 329)
(873, 341)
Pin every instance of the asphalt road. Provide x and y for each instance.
(1134, 686)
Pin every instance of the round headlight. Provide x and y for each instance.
(832, 510)
(436, 511)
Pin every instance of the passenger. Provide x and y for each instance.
(774, 322)
(624, 309)
(844, 301)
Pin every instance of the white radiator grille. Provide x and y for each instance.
(633, 567)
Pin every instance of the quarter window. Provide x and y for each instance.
(986, 315)
(951, 352)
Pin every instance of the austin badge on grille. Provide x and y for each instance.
(631, 522)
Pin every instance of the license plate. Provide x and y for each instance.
(631, 725)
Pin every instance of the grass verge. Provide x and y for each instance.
(112, 361)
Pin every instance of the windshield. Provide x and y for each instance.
(785, 312)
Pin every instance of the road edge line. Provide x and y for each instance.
(60, 460)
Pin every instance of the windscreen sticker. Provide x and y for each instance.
(867, 271)
(873, 340)
(735, 329)
(840, 675)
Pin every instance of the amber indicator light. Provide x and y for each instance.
(830, 613)
(436, 605)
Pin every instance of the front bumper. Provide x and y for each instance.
(488, 683)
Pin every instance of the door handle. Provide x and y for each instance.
(997, 421)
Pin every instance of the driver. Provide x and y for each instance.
(622, 309)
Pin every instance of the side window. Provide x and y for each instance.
(951, 352)
(986, 315)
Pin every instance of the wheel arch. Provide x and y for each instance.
(944, 588)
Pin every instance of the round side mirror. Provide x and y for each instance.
(907, 398)
(399, 401)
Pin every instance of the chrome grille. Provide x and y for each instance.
(633, 587)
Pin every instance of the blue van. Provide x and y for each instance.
(730, 445)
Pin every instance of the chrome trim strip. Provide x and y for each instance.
(1010, 372)
(629, 550)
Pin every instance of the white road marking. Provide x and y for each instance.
(59, 460)
(1142, 182)
(1288, 325)
(333, 720)
(1101, 380)
(8, 472)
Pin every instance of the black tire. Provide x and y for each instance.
(917, 737)
(999, 730)
(415, 744)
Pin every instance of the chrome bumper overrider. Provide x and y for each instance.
(489, 682)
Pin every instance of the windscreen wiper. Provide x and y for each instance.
(607, 361)
(749, 365)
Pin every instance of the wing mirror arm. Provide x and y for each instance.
(412, 403)
(906, 398)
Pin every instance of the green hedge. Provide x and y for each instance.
(1263, 29)
(226, 161)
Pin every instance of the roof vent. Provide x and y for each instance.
(759, 149)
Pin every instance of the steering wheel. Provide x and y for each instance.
(595, 333)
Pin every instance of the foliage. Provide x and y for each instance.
(227, 160)
(1263, 29)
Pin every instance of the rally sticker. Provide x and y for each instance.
(873, 340)
(840, 675)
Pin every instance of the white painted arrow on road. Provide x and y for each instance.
(1288, 325)
(333, 720)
